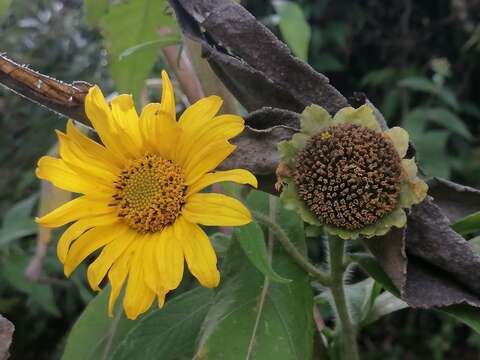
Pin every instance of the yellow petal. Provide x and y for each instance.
(94, 149)
(159, 131)
(100, 115)
(399, 138)
(78, 208)
(219, 128)
(169, 256)
(199, 254)
(215, 210)
(125, 115)
(238, 176)
(91, 169)
(138, 296)
(206, 160)
(63, 177)
(110, 253)
(199, 114)
(168, 97)
(91, 241)
(152, 276)
(118, 274)
(77, 229)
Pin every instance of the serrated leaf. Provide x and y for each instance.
(95, 335)
(131, 24)
(294, 28)
(168, 333)
(263, 319)
(252, 241)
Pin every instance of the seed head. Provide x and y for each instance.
(349, 176)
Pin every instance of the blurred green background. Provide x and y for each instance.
(418, 61)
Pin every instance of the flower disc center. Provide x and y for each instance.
(150, 193)
(349, 176)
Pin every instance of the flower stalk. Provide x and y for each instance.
(345, 327)
(322, 277)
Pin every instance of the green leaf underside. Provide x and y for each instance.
(169, 333)
(263, 319)
(95, 335)
(467, 314)
(126, 26)
(252, 241)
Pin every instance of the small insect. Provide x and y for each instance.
(282, 171)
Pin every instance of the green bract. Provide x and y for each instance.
(314, 120)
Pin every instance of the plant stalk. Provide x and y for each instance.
(337, 273)
(322, 277)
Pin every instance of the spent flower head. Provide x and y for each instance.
(141, 201)
(347, 174)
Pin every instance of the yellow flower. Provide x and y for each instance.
(141, 197)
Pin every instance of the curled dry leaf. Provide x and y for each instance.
(6, 334)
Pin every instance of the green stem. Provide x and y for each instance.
(337, 272)
(322, 277)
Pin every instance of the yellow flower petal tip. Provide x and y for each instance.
(141, 199)
(370, 183)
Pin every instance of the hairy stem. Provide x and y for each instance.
(347, 330)
(322, 277)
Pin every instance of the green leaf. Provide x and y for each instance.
(4, 6)
(475, 243)
(294, 28)
(419, 84)
(359, 297)
(95, 335)
(386, 303)
(373, 268)
(468, 224)
(255, 318)
(169, 333)
(432, 153)
(449, 120)
(467, 314)
(252, 241)
(94, 10)
(18, 221)
(13, 271)
(164, 41)
(132, 24)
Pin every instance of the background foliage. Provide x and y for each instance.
(419, 61)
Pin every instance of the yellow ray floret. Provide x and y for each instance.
(140, 200)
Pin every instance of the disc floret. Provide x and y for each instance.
(150, 193)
